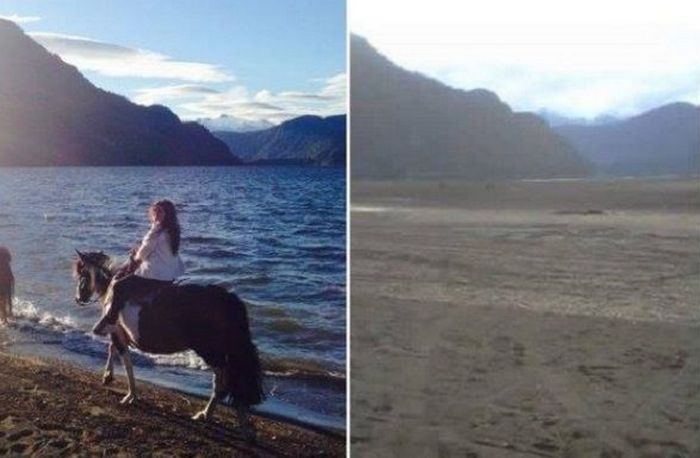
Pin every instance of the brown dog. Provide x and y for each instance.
(7, 285)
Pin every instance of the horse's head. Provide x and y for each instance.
(93, 274)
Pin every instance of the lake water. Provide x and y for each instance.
(274, 235)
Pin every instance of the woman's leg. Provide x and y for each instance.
(127, 288)
(121, 290)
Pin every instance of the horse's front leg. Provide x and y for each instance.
(108, 375)
(131, 393)
(246, 426)
(121, 342)
(218, 392)
(5, 311)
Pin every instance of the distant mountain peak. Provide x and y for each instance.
(664, 140)
(305, 140)
(555, 119)
(674, 108)
(226, 122)
(307, 121)
(303, 119)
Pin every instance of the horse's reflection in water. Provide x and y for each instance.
(207, 319)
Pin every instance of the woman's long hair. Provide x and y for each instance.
(7, 280)
(170, 223)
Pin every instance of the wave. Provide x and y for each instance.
(271, 241)
(323, 248)
(261, 279)
(194, 239)
(28, 311)
(220, 254)
(296, 368)
(303, 369)
(47, 328)
(285, 325)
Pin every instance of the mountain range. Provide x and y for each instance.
(306, 140)
(231, 123)
(50, 115)
(555, 119)
(406, 125)
(665, 140)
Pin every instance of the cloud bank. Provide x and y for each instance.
(151, 96)
(21, 19)
(190, 93)
(115, 60)
(195, 102)
(584, 59)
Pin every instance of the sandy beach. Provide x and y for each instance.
(50, 408)
(526, 319)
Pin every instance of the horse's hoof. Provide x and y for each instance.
(249, 433)
(107, 379)
(200, 416)
(128, 399)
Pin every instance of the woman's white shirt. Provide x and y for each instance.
(157, 259)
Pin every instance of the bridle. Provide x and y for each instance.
(88, 302)
(101, 271)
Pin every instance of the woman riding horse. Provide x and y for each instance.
(155, 264)
(207, 319)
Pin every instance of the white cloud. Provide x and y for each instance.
(580, 59)
(329, 99)
(190, 100)
(196, 102)
(336, 87)
(20, 19)
(115, 60)
(153, 95)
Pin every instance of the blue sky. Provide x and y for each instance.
(262, 60)
(579, 59)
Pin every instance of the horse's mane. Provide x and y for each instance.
(96, 259)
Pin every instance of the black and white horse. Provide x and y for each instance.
(207, 319)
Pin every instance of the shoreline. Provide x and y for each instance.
(645, 194)
(24, 340)
(229, 251)
(79, 415)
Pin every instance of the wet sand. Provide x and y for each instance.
(526, 319)
(50, 408)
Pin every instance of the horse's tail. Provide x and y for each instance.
(243, 371)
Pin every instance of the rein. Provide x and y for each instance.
(91, 301)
